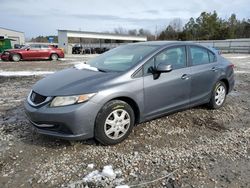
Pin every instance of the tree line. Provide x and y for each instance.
(208, 26)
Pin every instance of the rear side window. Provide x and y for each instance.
(212, 57)
(199, 55)
(44, 46)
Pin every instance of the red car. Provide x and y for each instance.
(33, 52)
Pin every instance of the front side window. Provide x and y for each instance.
(199, 55)
(175, 56)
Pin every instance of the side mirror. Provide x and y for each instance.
(163, 68)
(28, 49)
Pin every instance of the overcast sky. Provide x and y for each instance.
(44, 17)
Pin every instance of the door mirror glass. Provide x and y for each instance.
(162, 67)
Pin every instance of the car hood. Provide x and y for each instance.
(73, 81)
(14, 50)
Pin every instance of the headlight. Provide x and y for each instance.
(6, 53)
(68, 100)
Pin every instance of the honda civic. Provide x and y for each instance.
(134, 83)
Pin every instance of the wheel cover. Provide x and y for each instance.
(15, 58)
(220, 95)
(117, 124)
(54, 57)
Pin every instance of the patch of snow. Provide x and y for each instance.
(122, 186)
(242, 72)
(108, 172)
(238, 57)
(90, 166)
(81, 66)
(97, 176)
(24, 73)
(67, 59)
(93, 176)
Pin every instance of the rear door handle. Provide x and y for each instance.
(185, 77)
(214, 69)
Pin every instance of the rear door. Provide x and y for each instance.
(204, 70)
(172, 89)
(44, 53)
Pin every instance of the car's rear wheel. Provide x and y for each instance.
(114, 122)
(54, 57)
(218, 97)
(16, 57)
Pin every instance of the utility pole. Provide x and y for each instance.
(155, 32)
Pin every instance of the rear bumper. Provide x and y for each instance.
(61, 55)
(231, 82)
(74, 122)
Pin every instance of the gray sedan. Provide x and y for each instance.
(125, 86)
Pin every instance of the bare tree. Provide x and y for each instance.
(120, 30)
(176, 24)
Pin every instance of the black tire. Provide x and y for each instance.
(213, 104)
(104, 114)
(54, 57)
(16, 57)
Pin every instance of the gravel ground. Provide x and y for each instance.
(192, 148)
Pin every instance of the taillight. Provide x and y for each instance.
(232, 66)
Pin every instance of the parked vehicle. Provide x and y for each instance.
(126, 86)
(77, 49)
(5, 44)
(33, 52)
(18, 46)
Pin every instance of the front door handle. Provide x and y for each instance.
(214, 69)
(185, 77)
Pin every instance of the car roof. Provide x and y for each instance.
(165, 43)
(162, 44)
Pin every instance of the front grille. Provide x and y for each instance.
(37, 98)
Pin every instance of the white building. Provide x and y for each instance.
(16, 36)
(63, 36)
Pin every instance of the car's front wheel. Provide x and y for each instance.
(114, 122)
(218, 96)
(16, 57)
(54, 57)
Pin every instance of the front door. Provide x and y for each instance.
(172, 89)
(32, 52)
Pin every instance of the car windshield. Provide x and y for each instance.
(121, 58)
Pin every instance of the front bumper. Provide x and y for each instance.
(5, 57)
(74, 122)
